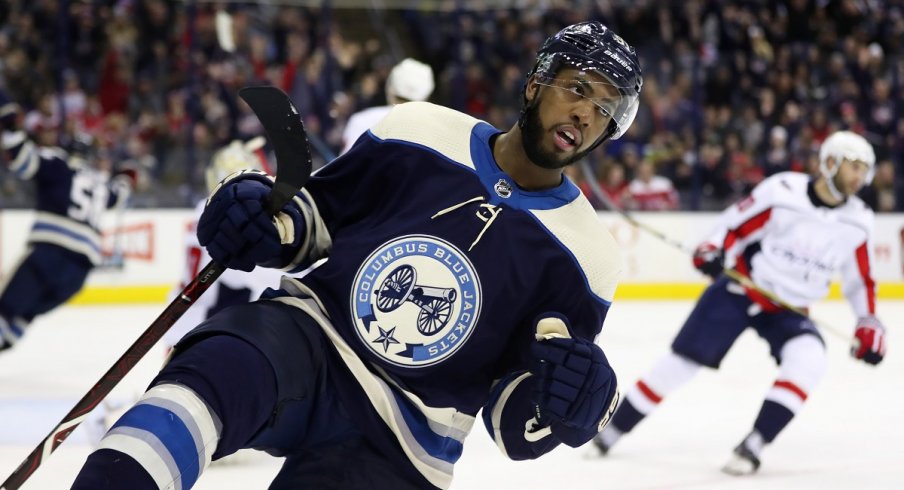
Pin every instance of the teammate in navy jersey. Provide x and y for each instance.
(64, 241)
(790, 236)
(453, 269)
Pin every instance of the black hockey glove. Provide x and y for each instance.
(576, 389)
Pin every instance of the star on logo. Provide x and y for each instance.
(386, 338)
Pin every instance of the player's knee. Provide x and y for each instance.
(803, 361)
(232, 378)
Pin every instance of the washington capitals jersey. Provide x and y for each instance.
(792, 244)
(437, 267)
(71, 195)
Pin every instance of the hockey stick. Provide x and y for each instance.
(731, 273)
(287, 135)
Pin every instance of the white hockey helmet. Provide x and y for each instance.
(842, 145)
(233, 157)
(411, 80)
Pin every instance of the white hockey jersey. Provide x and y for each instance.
(791, 243)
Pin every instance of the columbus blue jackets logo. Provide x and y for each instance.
(415, 300)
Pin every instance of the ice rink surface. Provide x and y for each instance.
(850, 434)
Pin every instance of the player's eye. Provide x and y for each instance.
(577, 89)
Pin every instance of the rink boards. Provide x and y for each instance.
(152, 246)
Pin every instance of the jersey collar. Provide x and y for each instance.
(501, 188)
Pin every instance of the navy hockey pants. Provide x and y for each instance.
(45, 279)
(719, 318)
(263, 369)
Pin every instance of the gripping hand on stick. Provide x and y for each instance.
(237, 229)
(708, 260)
(869, 340)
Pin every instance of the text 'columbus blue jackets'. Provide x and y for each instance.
(438, 266)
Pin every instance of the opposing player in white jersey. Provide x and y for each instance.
(409, 80)
(233, 286)
(444, 249)
(790, 236)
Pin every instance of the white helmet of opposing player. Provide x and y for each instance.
(235, 156)
(845, 145)
(410, 80)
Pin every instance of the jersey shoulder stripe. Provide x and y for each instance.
(437, 128)
(577, 227)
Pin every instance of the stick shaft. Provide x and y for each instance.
(114, 375)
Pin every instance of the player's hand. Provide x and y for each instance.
(125, 178)
(9, 113)
(708, 260)
(576, 389)
(869, 340)
(237, 230)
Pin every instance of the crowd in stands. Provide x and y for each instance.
(733, 92)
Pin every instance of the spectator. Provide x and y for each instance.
(651, 192)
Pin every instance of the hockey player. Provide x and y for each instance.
(233, 286)
(408, 81)
(462, 272)
(790, 237)
(64, 242)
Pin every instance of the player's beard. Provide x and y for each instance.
(532, 136)
(843, 186)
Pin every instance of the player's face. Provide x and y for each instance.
(851, 176)
(566, 116)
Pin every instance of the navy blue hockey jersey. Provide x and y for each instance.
(71, 195)
(436, 268)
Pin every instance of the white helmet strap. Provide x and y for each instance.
(829, 175)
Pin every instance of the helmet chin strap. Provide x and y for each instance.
(833, 190)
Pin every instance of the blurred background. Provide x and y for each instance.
(734, 90)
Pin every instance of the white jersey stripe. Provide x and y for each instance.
(148, 451)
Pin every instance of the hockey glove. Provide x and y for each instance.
(236, 228)
(125, 179)
(869, 340)
(9, 113)
(708, 260)
(576, 389)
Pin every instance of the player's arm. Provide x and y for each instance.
(21, 153)
(859, 287)
(736, 226)
(565, 396)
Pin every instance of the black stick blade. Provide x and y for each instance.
(286, 133)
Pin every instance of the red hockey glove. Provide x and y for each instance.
(869, 340)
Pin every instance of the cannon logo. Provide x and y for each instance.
(415, 300)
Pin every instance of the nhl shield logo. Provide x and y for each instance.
(503, 188)
(415, 300)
